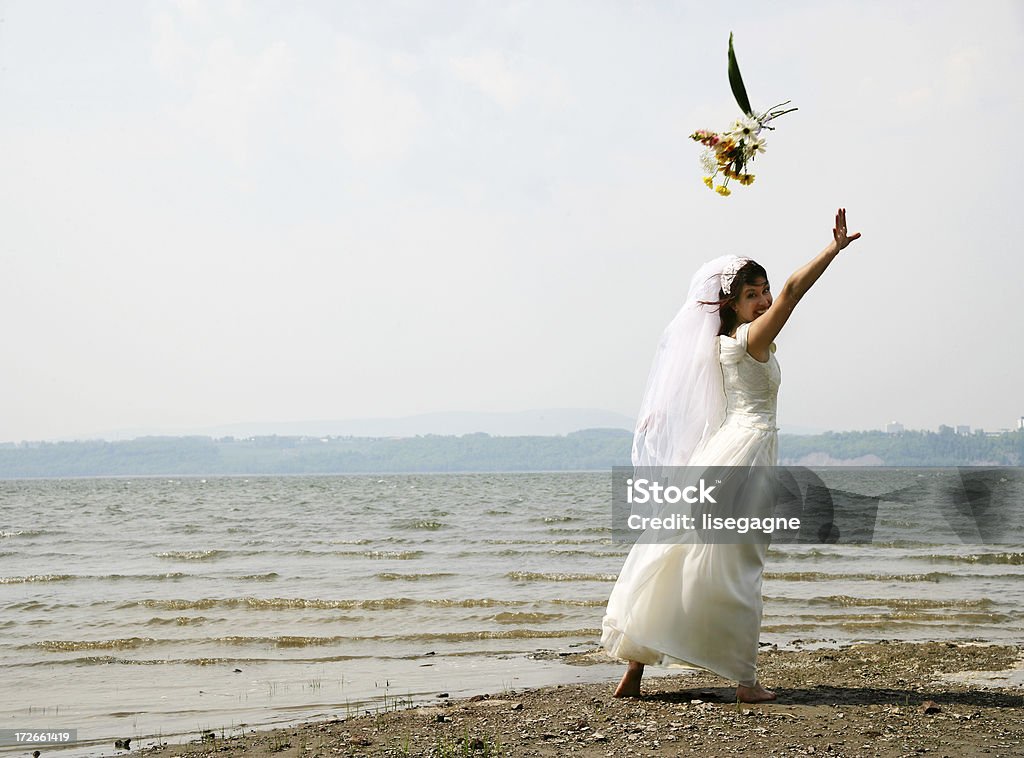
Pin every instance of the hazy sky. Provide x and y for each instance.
(221, 212)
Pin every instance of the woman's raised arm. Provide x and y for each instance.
(763, 331)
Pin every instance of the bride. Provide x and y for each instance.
(710, 401)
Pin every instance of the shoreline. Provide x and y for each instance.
(883, 698)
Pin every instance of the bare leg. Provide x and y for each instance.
(630, 684)
(755, 694)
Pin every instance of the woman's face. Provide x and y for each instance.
(754, 299)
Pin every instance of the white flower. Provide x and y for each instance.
(744, 128)
(709, 162)
(752, 146)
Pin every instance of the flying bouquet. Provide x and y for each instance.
(730, 152)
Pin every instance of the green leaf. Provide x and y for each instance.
(736, 82)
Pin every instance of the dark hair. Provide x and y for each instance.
(748, 274)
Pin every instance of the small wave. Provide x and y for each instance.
(34, 605)
(904, 544)
(815, 576)
(27, 532)
(336, 553)
(479, 602)
(398, 555)
(534, 576)
(144, 577)
(220, 661)
(193, 555)
(101, 577)
(422, 524)
(590, 553)
(125, 643)
(130, 643)
(846, 601)
(237, 661)
(37, 578)
(1012, 559)
(535, 617)
(1009, 558)
(387, 603)
(511, 552)
(390, 576)
(302, 641)
(803, 554)
(286, 640)
(85, 661)
(910, 614)
(272, 604)
(503, 634)
(267, 577)
(177, 621)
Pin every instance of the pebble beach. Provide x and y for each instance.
(878, 698)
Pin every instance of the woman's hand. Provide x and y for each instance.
(839, 232)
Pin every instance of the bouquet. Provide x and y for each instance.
(730, 152)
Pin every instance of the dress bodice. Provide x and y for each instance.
(751, 387)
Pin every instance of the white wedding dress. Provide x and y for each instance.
(699, 605)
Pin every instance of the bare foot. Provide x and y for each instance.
(755, 694)
(630, 684)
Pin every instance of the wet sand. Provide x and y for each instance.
(867, 699)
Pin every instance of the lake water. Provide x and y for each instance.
(152, 607)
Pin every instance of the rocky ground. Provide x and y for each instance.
(869, 699)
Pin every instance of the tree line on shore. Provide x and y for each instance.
(588, 449)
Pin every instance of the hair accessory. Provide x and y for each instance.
(730, 271)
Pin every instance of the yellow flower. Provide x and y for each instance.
(722, 190)
(747, 179)
(724, 152)
(708, 181)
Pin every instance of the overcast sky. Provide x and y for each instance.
(223, 212)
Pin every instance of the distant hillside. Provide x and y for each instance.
(910, 448)
(537, 422)
(588, 449)
(203, 456)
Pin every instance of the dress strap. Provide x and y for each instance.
(741, 334)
